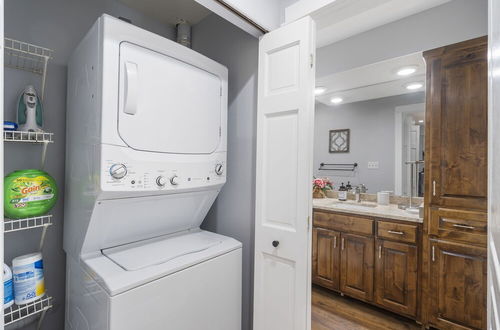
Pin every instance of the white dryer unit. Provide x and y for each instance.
(145, 160)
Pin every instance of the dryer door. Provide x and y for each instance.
(166, 105)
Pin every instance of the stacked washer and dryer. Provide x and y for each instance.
(145, 160)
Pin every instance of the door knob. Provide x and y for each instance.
(276, 243)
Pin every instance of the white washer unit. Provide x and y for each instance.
(145, 160)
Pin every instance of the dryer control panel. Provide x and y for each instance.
(129, 176)
(122, 173)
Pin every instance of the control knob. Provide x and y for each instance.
(118, 171)
(174, 180)
(161, 181)
(219, 169)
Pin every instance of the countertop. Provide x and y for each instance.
(390, 211)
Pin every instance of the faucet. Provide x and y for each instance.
(358, 191)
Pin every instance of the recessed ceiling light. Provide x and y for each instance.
(414, 85)
(319, 90)
(336, 100)
(407, 70)
(421, 121)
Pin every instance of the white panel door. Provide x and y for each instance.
(493, 165)
(285, 124)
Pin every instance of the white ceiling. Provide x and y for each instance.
(341, 19)
(372, 81)
(170, 11)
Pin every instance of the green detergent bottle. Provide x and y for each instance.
(28, 193)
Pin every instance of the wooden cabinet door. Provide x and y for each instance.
(396, 276)
(326, 258)
(356, 270)
(457, 124)
(457, 285)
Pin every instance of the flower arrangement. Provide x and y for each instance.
(320, 186)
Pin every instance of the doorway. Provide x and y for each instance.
(365, 252)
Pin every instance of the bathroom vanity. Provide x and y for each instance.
(369, 252)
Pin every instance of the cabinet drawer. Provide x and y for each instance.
(459, 225)
(397, 231)
(344, 223)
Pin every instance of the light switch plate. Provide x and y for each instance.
(373, 165)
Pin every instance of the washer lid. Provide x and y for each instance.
(115, 279)
(157, 251)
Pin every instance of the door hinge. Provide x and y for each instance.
(380, 251)
(312, 60)
(308, 222)
(433, 253)
(433, 188)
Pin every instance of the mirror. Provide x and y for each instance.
(369, 126)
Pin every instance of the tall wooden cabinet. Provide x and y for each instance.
(457, 103)
(454, 281)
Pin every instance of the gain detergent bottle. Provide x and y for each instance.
(28, 193)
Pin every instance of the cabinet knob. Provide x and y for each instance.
(276, 243)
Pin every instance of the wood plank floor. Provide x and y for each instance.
(332, 311)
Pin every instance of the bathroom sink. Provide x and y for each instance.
(413, 210)
(355, 204)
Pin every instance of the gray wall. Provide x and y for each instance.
(233, 212)
(372, 139)
(452, 22)
(59, 25)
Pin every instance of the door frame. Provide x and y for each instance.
(1, 146)
(493, 306)
(398, 143)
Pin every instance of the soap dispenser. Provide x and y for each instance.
(348, 186)
(342, 192)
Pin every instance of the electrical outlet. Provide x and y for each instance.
(373, 165)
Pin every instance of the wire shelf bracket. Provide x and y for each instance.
(31, 137)
(44, 222)
(28, 137)
(16, 313)
(28, 57)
